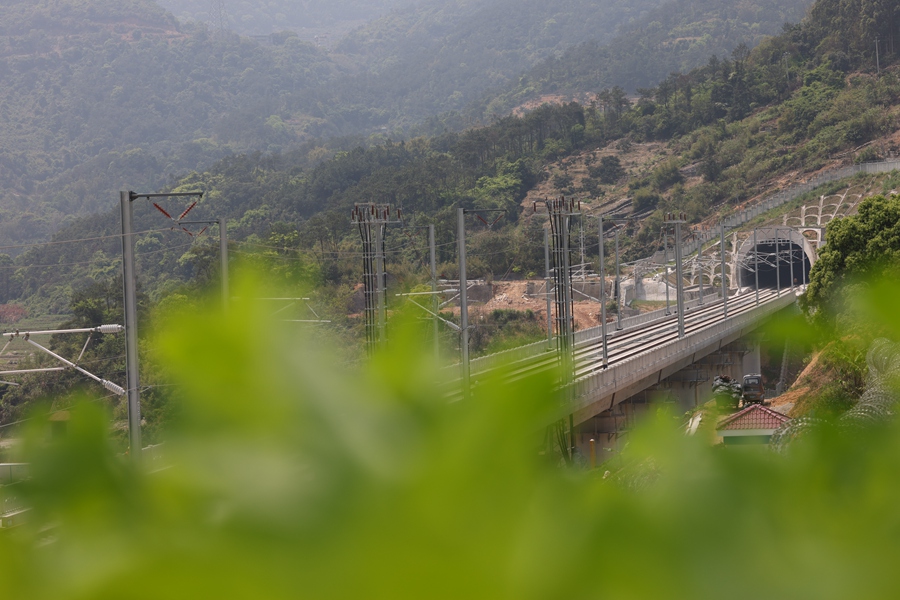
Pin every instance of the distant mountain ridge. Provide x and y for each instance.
(675, 37)
(301, 16)
(443, 54)
(98, 95)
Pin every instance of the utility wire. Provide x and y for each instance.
(89, 239)
(87, 262)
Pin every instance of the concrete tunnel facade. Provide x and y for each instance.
(785, 245)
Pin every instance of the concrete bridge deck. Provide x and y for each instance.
(652, 353)
(646, 354)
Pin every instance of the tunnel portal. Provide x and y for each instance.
(786, 252)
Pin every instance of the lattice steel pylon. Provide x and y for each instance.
(218, 17)
(372, 219)
(562, 213)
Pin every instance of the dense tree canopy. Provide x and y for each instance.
(858, 248)
(676, 37)
(99, 96)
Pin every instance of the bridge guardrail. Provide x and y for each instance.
(628, 371)
(593, 333)
(505, 357)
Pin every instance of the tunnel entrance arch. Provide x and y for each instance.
(777, 248)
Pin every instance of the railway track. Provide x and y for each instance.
(625, 344)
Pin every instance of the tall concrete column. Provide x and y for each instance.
(751, 361)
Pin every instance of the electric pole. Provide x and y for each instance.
(756, 265)
(434, 295)
(463, 289)
(777, 263)
(619, 302)
(131, 351)
(666, 263)
(132, 379)
(547, 288)
(700, 268)
(791, 246)
(562, 211)
(463, 299)
(223, 258)
(724, 280)
(603, 295)
(678, 219)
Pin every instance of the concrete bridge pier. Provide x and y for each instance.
(684, 390)
(609, 429)
(692, 386)
(687, 388)
(752, 362)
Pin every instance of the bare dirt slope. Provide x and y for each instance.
(810, 380)
(512, 295)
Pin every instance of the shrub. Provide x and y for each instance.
(644, 199)
(666, 175)
(609, 171)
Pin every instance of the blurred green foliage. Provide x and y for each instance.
(288, 474)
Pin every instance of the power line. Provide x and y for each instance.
(88, 262)
(405, 244)
(90, 239)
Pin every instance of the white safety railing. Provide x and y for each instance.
(505, 357)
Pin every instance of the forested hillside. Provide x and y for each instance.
(676, 37)
(305, 17)
(438, 56)
(701, 142)
(443, 56)
(98, 95)
(720, 135)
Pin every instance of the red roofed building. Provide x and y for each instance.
(752, 425)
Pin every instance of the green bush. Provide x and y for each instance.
(644, 199)
(288, 473)
(868, 154)
(609, 171)
(666, 175)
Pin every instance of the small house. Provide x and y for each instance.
(752, 425)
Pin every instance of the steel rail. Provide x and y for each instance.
(632, 342)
